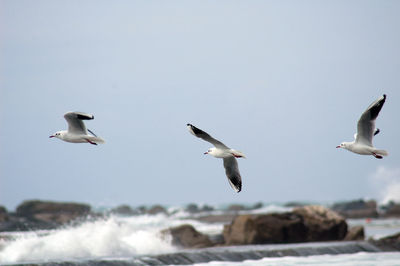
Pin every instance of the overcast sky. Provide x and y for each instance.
(282, 81)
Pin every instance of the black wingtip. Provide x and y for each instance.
(189, 125)
(384, 96)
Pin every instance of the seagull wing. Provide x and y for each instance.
(232, 172)
(75, 123)
(366, 123)
(205, 136)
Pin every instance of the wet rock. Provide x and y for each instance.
(192, 208)
(156, 209)
(3, 214)
(220, 218)
(357, 209)
(323, 224)
(388, 243)
(236, 207)
(124, 210)
(52, 212)
(392, 209)
(355, 233)
(310, 223)
(187, 237)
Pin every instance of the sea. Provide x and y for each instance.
(118, 238)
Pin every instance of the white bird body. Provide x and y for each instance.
(227, 154)
(77, 132)
(366, 130)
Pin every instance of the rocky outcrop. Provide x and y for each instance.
(355, 233)
(156, 209)
(53, 212)
(357, 209)
(310, 223)
(124, 210)
(186, 236)
(194, 208)
(323, 224)
(3, 214)
(391, 209)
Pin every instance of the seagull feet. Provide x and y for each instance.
(237, 156)
(377, 156)
(91, 142)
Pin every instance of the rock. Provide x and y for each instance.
(392, 209)
(124, 210)
(310, 223)
(323, 224)
(292, 204)
(355, 233)
(156, 209)
(3, 214)
(236, 207)
(257, 205)
(220, 218)
(192, 208)
(264, 229)
(52, 212)
(207, 208)
(187, 237)
(388, 243)
(357, 209)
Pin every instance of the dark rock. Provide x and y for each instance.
(355, 233)
(256, 206)
(124, 210)
(323, 224)
(392, 209)
(236, 207)
(388, 243)
(3, 214)
(295, 204)
(192, 208)
(52, 212)
(187, 237)
(156, 209)
(357, 209)
(207, 208)
(220, 218)
(310, 223)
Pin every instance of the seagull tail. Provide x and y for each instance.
(97, 140)
(382, 152)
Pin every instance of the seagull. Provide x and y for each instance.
(366, 130)
(77, 132)
(222, 151)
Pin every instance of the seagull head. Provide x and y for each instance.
(343, 145)
(211, 151)
(58, 135)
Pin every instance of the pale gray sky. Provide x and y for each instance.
(282, 81)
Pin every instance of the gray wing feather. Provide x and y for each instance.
(233, 174)
(366, 123)
(205, 136)
(75, 123)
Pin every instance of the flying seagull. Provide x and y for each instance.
(77, 132)
(222, 151)
(366, 130)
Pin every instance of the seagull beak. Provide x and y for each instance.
(52, 136)
(338, 146)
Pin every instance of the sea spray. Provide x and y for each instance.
(111, 237)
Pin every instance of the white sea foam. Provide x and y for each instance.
(387, 182)
(112, 237)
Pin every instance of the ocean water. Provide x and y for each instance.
(119, 238)
(357, 259)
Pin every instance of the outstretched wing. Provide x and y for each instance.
(366, 123)
(205, 136)
(75, 123)
(233, 174)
